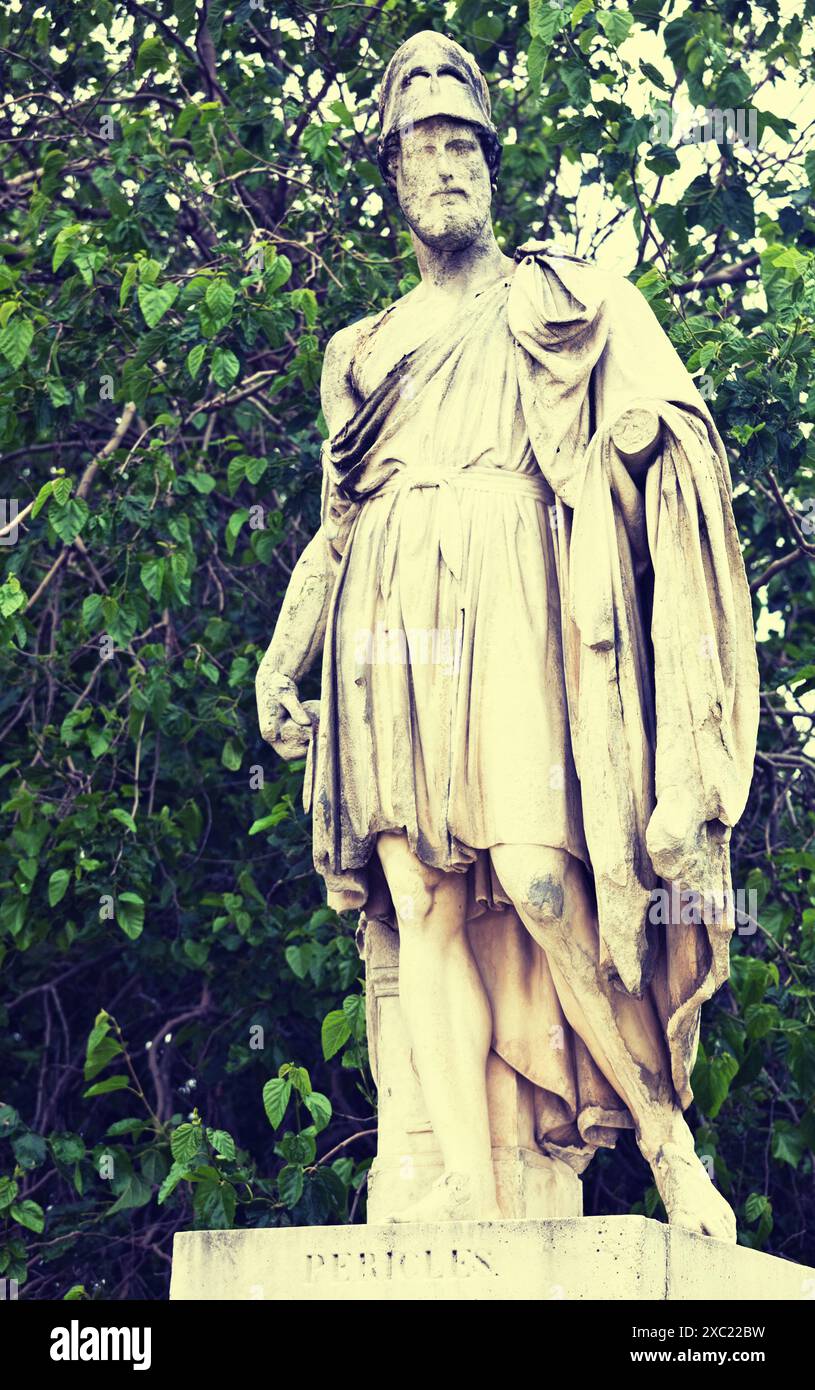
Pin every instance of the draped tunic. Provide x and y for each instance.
(522, 646)
(443, 649)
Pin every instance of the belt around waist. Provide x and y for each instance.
(451, 539)
(475, 477)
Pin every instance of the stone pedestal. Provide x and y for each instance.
(408, 1159)
(589, 1258)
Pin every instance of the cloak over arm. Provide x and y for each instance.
(662, 678)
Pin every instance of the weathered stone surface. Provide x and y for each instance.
(539, 695)
(602, 1258)
(408, 1158)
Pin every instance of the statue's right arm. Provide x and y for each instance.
(300, 628)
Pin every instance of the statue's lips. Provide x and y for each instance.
(449, 193)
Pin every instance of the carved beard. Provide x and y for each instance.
(452, 228)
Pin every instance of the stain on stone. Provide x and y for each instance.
(546, 893)
(424, 849)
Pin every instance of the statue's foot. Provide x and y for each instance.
(689, 1196)
(455, 1196)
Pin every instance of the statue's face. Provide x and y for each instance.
(443, 182)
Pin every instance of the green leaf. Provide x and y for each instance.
(135, 1193)
(654, 76)
(290, 1184)
(545, 20)
(203, 482)
(58, 393)
(232, 754)
(46, 491)
(788, 1143)
(219, 299)
(9, 1121)
(132, 1126)
(8, 1192)
(195, 358)
(305, 301)
(222, 1143)
(184, 11)
(233, 528)
(186, 1142)
(130, 914)
(58, 886)
(29, 1214)
(103, 1052)
(68, 1148)
(536, 60)
(711, 1082)
(124, 817)
(278, 274)
(15, 340)
(152, 574)
(354, 1009)
(68, 521)
(319, 1108)
(336, 1031)
(300, 1080)
(276, 1095)
(65, 243)
(583, 7)
(756, 1205)
(155, 300)
(151, 55)
(225, 367)
(176, 1175)
(12, 596)
(616, 25)
(111, 1083)
(102, 1025)
(214, 1204)
(128, 281)
(30, 1150)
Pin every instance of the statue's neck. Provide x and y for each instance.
(454, 274)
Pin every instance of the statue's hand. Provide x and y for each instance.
(285, 721)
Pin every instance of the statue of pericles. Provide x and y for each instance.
(539, 684)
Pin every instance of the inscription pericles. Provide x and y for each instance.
(349, 1266)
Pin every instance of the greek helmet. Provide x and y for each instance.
(431, 75)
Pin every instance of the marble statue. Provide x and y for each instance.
(539, 694)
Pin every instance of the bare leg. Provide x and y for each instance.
(449, 1023)
(551, 896)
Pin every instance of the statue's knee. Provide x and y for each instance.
(414, 899)
(535, 878)
(542, 898)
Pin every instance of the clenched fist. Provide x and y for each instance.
(285, 721)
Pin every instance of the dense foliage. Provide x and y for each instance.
(190, 208)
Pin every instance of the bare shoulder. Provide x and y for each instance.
(337, 394)
(339, 399)
(341, 345)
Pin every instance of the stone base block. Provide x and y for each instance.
(589, 1258)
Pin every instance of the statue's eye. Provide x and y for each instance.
(448, 71)
(414, 72)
